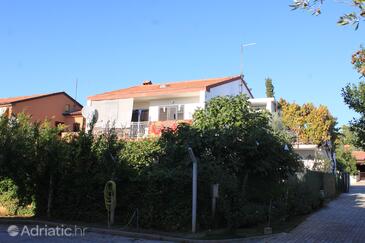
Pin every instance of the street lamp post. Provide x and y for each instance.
(194, 189)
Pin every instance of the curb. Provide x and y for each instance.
(145, 236)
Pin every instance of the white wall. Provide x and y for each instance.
(232, 88)
(353, 180)
(117, 112)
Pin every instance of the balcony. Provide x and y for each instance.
(138, 129)
(146, 129)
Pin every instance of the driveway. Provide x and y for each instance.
(343, 220)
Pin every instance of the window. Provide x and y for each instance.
(76, 127)
(174, 112)
(58, 123)
(142, 114)
(67, 108)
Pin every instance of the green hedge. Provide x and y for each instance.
(235, 147)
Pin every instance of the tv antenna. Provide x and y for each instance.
(76, 83)
(242, 47)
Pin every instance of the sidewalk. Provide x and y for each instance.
(343, 220)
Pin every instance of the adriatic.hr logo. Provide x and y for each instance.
(46, 231)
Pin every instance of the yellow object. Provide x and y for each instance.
(110, 198)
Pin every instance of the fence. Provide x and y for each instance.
(317, 181)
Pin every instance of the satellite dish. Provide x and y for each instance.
(89, 113)
(86, 111)
(3, 110)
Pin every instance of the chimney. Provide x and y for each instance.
(147, 82)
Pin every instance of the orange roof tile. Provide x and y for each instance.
(73, 113)
(8, 101)
(4, 101)
(166, 88)
(359, 155)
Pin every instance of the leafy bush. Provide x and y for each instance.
(9, 199)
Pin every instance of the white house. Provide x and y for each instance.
(314, 157)
(139, 109)
(268, 104)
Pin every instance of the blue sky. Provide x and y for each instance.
(107, 45)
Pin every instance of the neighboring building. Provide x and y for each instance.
(360, 162)
(316, 157)
(58, 108)
(144, 109)
(312, 155)
(262, 104)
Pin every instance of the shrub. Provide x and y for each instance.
(9, 199)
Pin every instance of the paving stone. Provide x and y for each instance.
(342, 220)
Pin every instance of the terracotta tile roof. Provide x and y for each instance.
(167, 88)
(4, 101)
(8, 101)
(359, 155)
(73, 113)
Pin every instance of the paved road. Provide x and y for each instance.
(88, 237)
(343, 220)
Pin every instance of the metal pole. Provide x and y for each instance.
(139, 121)
(243, 46)
(194, 189)
(241, 62)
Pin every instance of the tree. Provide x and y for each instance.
(358, 60)
(246, 155)
(280, 129)
(314, 6)
(354, 97)
(347, 137)
(269, 88)
(345, 161)
(311, 124)
(238, 135)
(344, 147)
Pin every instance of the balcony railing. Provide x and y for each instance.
(138, 129)
(145, 129)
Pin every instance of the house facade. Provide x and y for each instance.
(145, 109)
(57, 108)
(313, 156)
(360, 161)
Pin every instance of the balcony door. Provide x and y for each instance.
(140, 115)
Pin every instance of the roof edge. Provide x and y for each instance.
(43, 96)
(207, 88)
